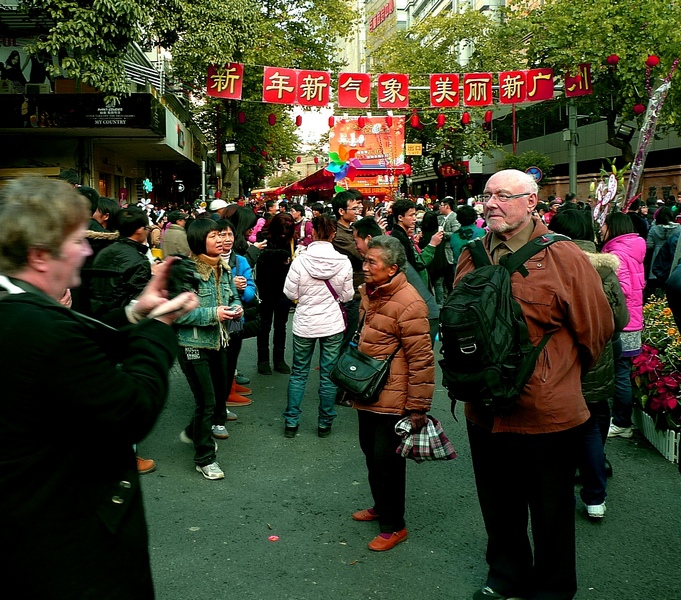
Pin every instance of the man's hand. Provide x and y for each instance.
(436, 240)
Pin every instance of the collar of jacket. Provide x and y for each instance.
(141, 248)
(205, 270)
(387, 289)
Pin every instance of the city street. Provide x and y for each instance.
(215, 539)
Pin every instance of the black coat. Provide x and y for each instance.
(71, 515)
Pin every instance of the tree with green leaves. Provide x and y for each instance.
(528, 159)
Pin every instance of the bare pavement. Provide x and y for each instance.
(278, 526)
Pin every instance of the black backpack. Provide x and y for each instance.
(487, 354)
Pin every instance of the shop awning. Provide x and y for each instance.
(321, 180)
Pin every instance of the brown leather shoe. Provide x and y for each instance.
(380, 544)
(145, 465)
(236, 400)
(364, 515)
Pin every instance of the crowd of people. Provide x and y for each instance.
(127, 290)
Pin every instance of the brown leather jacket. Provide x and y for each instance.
(395, 315)
(562, 294)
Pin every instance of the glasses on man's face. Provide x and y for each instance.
(486, 197)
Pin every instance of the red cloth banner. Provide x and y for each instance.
(539, 84)
(279, 85)
(226, 81)
(354, 90)
(512, 87)
(393, 90)
(579, 84)
(313, 88)
(477, 89)
(444, 90)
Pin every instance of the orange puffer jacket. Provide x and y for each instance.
(395, 315)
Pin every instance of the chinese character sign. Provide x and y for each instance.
(226, 81)
(313, 88)
(477, 89)
(512, 87)
(393, 90)
(580, 84)
(539, 84)
(279, 85)
(354, 90)
(444, 90)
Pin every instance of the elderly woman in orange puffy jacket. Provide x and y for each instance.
(394, 317)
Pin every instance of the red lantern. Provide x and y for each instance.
(440, 121)
(272, 119)
(332, 121)
(488, 116)
(252, 148)
(298, 159)
(652, 61)
(264, 153)
(241, 117)
(299, 120)
(465, 118)
(389, 121)
(612, 60)
(361, 122)
(415, 122)
(639, 109)
(316, 160)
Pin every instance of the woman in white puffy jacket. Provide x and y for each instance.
(320, 280)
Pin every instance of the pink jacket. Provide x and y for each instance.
(631, 250)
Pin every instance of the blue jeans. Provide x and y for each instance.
(303, 349)
(592, 461)
(622, 401)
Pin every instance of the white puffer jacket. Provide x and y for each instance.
(318, 314)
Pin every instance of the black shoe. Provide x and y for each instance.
(264, 368)
(290, 432)
(281, 367)
(324, 432)
(487, 593)
(608, 468)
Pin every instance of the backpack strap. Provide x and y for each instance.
(478, 253)
(516, 261)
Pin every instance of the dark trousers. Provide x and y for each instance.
(232, 351)
(206, 373)
(520, 473)
(387, 469)
(352, 314)
(273, 311)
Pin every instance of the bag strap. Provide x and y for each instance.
(478, 253)
(516, 261)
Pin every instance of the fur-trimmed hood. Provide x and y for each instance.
(600, 260)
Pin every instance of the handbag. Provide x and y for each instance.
(428, 443)
(360, 375)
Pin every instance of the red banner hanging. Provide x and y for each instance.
(512, 87)
(540, 85)
(580, 84)
(393, 90)
(354, 90)
(444, 90)
(313, 88)
(477, 89)
(226, 81)
(279, 85)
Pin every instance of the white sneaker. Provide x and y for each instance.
(231, 416)
(616, 431)
(596, 511)
(211, 471)
(220, 432)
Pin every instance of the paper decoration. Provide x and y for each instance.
(226, 81)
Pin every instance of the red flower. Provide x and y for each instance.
(652, 61)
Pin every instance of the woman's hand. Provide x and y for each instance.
(418, 420)
(229, 313)
(260, 245)
(240, 282)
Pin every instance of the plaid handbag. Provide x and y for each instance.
(429, 443)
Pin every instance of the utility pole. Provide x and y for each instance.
(573, 141)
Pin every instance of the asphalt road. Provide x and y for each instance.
(211, 539)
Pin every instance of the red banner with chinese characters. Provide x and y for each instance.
(279, 85)
(444, 90)
(539, 84)
(579, 84)
(512, 87)
(226, 81)
(393, 90)
(354, 90)
(313, 88)
(477, 89)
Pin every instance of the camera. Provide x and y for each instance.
(182, 277)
